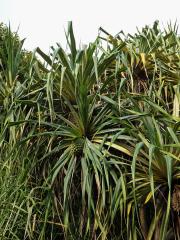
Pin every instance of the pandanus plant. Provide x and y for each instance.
(150, 58)
(80, 122)
(150, 202)
(155, 178)
(153, 189)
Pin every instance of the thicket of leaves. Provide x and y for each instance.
(90, 138)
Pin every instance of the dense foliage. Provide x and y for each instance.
(90, 138)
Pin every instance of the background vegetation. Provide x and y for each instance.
(90, 137)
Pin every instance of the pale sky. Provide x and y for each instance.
(42, 22)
